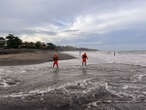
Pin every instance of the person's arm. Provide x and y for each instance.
(53, 58)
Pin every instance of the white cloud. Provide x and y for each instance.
(44, 33)
(48, 28)
(85, 24)
(101, 23)
(32, 38)
(40, 36)
(98, 23)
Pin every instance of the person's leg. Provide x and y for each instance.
(53, 64)
(57, 64)
(85, 63)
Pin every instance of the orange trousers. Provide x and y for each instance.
(55, 63)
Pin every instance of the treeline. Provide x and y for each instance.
(71, 48)
(12, 41)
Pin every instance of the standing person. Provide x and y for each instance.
(55, 59)
(84, 58)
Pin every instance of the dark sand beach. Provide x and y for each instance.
(26, 57)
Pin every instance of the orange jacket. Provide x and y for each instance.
(55, 57)
(84, 56)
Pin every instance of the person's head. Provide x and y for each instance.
(55, 54)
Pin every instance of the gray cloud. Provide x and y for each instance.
(67, 19)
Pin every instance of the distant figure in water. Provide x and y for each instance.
(55, 59)
(84, 58)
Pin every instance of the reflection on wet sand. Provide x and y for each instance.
(84, 70)
(55, 70)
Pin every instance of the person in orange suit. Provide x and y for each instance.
(84, 58)
(55, 59)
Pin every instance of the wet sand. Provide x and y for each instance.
(29, 57)
(100, 86)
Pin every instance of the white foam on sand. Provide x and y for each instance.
(2, 71)
(42, 91)
(86, 84)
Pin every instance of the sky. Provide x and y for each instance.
(100, 24)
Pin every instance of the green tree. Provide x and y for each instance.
(2, 42)
(51, 46)
(38, 44)
(13, 41)
(29, 45)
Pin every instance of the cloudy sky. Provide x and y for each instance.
(101, 24)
